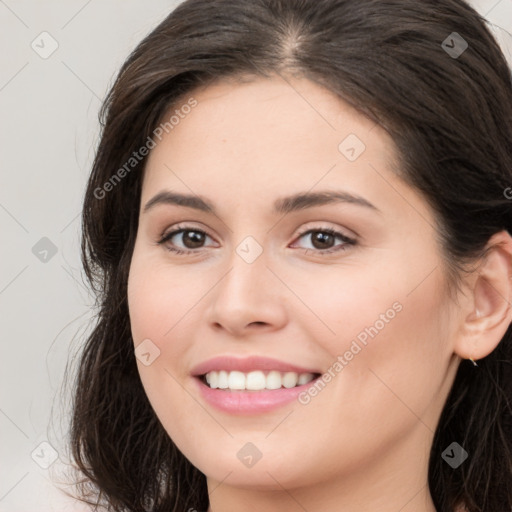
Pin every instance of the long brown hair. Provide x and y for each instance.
(450, 117)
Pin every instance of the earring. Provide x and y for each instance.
(474, 364)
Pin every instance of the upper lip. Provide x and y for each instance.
(247, 364)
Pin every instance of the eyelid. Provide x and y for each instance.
(180, 228)
(336, 232)
(319, 226)
(348, 241)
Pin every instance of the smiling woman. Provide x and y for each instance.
(306, 282)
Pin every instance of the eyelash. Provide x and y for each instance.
(340, 248)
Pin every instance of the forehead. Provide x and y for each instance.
(290, 107)
(269, 129)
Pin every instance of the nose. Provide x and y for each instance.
(248, 297)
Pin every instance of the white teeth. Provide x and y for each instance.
(213, 379)
(236, 380)
(304, 378)
(223, 380)
(290, 379)
(256, 380)
(274, 380)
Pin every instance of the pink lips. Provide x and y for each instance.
(244, 402)
(247, 364)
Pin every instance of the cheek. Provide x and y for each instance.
(146, 308)
(158, 297)
(344, 304)
(392, 305)
(387, 342)
(156, 308)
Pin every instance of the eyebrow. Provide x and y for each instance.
(283, 205)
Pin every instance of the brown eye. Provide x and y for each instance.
(190, 239)
(323, 240)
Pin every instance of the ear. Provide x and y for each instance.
(487, 311)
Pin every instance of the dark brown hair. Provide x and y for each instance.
(451, 120)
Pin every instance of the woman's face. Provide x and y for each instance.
(365, 307)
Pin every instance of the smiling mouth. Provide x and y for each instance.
(257, 380)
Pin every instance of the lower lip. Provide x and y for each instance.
(250, 402)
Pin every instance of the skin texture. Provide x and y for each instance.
(363, 442)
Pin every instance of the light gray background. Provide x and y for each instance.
(49, 130)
